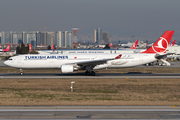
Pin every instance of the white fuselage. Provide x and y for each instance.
(92, 51)
(57, 60)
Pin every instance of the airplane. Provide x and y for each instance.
(5, 50)
(76, 51)
(103, 46)
(111, 44)
(53, 48)
(69, 63)
(30, 47)
(134, 45)
(172, 44)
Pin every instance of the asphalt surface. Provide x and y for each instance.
(83, 76)
(90, 112)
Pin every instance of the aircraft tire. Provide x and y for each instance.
(93, 73)
(87, 73)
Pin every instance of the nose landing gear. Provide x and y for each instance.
(21, 72)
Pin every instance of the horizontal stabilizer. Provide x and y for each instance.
(158, 56)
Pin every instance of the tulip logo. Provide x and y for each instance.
(160, 46)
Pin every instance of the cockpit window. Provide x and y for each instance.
(10, 59)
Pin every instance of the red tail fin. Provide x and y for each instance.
(7, 49)
(173, 42)
(30, 47)
(134, 45)
(110, 45)
(53, 48)
(161, 44)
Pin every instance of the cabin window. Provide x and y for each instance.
(10, 59)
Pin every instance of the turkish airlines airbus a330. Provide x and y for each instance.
(72, 62)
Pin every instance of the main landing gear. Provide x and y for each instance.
(21, 72)
(90, 73)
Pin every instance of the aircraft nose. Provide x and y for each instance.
(6, 62)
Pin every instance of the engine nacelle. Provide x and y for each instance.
(67, 68)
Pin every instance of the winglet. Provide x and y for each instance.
(118, 57)
(173, 43)
(134, 45)
(161, 44)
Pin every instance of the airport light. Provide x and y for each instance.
(72, 85)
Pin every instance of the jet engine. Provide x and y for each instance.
(68, 68)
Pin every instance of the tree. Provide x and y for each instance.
(33, 52)
(23, 49)
(107, 46)
(27, 48)
(18, 50)
(49, 47)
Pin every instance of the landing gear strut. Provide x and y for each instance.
(21, 72)
(90, 73)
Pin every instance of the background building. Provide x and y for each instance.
(97, 35)
(105, 37)
(43, 38)
(50, 38)
(17, 37)
(36, 38)
(68, 39)
(30, 38)
(59, 39)
(8, 37)
(3, 41)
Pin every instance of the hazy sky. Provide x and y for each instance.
(124, 18)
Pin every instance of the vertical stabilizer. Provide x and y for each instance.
(161, 44)
(134, 45)
(53, 48)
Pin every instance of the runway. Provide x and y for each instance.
(82, 75)
(90, 112)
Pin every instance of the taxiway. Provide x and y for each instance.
(89, 112)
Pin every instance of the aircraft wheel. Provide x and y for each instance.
(21, 71)
(93, 73)
(87, 73)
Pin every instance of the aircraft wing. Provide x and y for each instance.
(93, 63)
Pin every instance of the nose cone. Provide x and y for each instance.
(6, 62)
